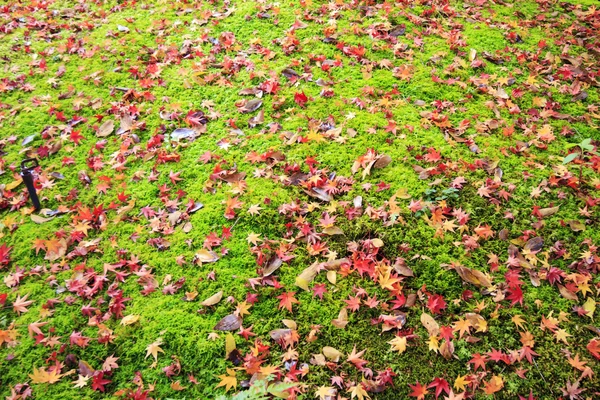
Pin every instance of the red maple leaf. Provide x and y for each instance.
(515, 295)
(287, 300)
(4, 254)
(433, 155)
(300, 99)
(353, 303)
(76, 137)
(440, 385)
(99, 382)
(319, 290)
(419, 391)
(594, 348)
(478, 361)
(436, 303)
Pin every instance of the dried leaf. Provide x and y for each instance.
(332, 354)
(473, 276)
(433, 328)
(231, 322)
(106, 128)
(214, 299)
(250, 106)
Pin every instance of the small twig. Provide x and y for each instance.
(236, 221)
(540, 372)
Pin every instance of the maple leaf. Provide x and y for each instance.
(594, 347)
(355, 358)
(576, 363)
(300, 99)
(572, 390)
(462, 326)
(81, 381)
(461, 381)
(4, 255)
(43, 376)
(493, 385)
(436, 303)
(398, 344)
(153, 349)
(98, 381)
(21, 303)
(254, 209)
(110, 363)
(478, 361)
(359, 392)
(229, 380)
(518, 321)
(287, 300)
(76, 137)
(419, 391)
(319, 290)
(325, 392)
(34, 327)
(515, 295)
(440, 385)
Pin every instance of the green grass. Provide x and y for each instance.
(157, 33)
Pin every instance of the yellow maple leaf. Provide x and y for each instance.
(315, 137)
(398, 344)
(359, 392)
(590, 307)
(153, 349)
(461, 382)
(229, 380)
(518, 321)
(43, 376)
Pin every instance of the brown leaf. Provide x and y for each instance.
(342, 320)
(534, 244)
(447, 349)
(576, 226)
(273, 265)
(333, 230)
(183, 133)
(566, 293)
(205, 256)
(40, 220)
(278, 334)
(250, 106)
(214, 299)
(433, 328)
(319, 194)
(306, 277)
(106, 128)
(258, 119)
(403, 270)
(231, 322)
(546, 212)
(382, 161)
(473, 276)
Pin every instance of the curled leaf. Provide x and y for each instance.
(250, 106)
(332, 354)
(214, 299)
(473, 276)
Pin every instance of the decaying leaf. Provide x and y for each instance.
(231, 322)
(250, 106)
